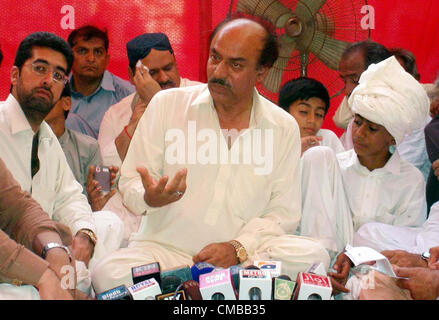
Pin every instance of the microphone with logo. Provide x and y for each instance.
(117, 293)
(201, 268)
(146, 271)
(217, 285)
(311, 286)
(254, 284)
(283, 288)
(145, 290)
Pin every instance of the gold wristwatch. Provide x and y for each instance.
(241, 253)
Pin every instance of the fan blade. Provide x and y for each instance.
(271, 10)
(327, 49)
(307, 9)
(274, 76)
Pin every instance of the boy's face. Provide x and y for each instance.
(370, 139)
(309, 115)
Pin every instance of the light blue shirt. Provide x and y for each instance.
(92, 108)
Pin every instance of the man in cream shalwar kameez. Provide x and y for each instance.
(257, 204)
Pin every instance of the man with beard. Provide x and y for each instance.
(217, 212)
(33, 154)
(94, 89)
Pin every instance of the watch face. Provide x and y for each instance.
(425, 255)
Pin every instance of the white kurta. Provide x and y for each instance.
(54, 185)
(223, 201)
(394, 194)
(113, 122)
(381, 236)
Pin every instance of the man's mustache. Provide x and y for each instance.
(166, 83)
(219, 81)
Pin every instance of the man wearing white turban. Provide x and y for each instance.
(368, 183)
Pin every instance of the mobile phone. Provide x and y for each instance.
(102, 176)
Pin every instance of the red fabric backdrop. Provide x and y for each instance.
(411, 24)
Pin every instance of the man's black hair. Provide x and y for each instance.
(302, 88)
(88, 32)
(45, 40)
(270, 50)
(373, 52)
(409, 60)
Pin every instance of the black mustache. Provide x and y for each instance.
(219, 81)
(169, 82)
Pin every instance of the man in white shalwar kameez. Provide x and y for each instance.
(367, 183)
(214, 210)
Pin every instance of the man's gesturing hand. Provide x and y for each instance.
(160, 193)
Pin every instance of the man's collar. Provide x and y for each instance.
(106, 84)
(393, 165)
(18, 121)
(258, 112)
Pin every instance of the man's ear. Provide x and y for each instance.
(130, 75)
(67, 103)
(15, 73)
(261, 73)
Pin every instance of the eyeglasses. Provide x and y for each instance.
(42, 69)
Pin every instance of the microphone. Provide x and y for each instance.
(172, 278)
(145, 290)
(234, 271)
(254, 284)
(283, 288)
(179, 295)
(217, 285)
(317, 268)
(117, 293)
(311, 286)
(201, 268)
(274, 267)
(146, 271)
(192, 290)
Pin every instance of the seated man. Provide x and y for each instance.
(199, 208)
(341, 193)
(24, 221)
(81, 151)
(307, 100)
(120, 121)
(33, 154)
(94, 89)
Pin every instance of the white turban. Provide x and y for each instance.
(389, 96)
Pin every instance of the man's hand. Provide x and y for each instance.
(405, 259)
(82, 248)
(423, 283)
(435, 167)
(310, 141)
(96, 199)
(146, 86)
(138, 111)
(338, 280)
(221, 254)
(50, 288)
(160, 193)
